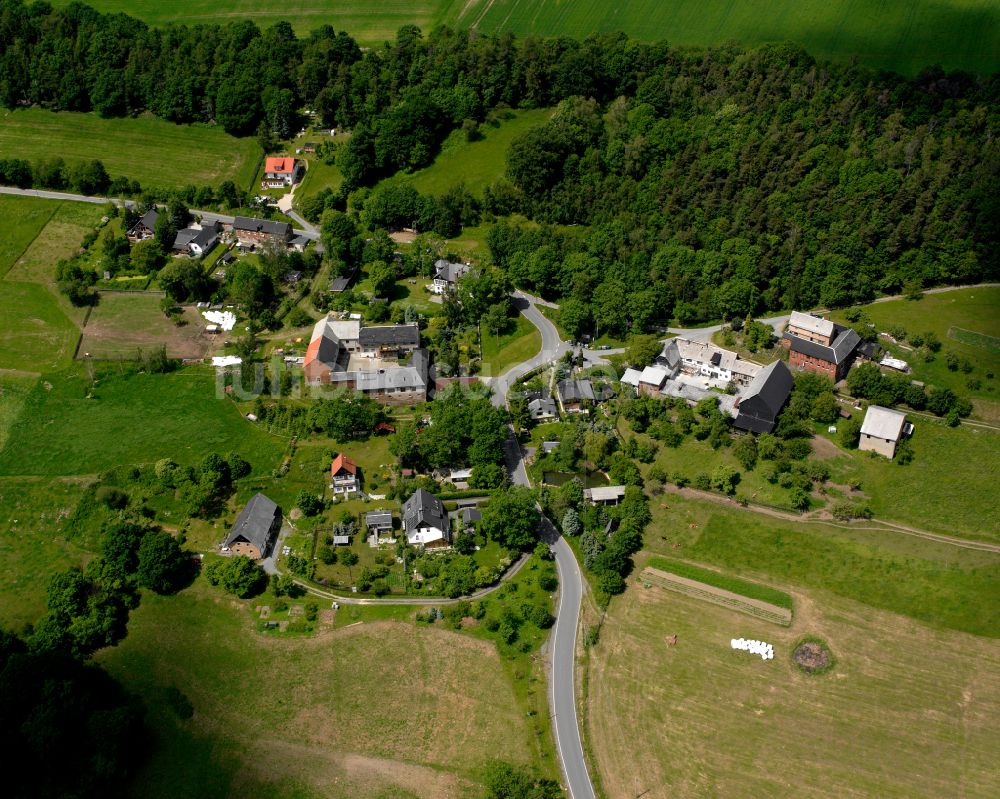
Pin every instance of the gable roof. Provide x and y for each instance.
(256, 523)
(883, 423)
(342, 462)
(423, 509)
(654, 376)
(267, 226)
(280, 165)
(814, 324)
(575, 390)
(470, 515)
(149, 218)
(324, 346)
(604, 493)
(631, 377)
(411, 376)
(446, 270)
(378, 518)
(772, 385)
(390, 335)
(841, 348)
(542, 405)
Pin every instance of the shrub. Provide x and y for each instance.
(114, 498)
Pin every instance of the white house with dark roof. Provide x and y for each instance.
(882, 430)
(447, 275)
(425, 521)
(542, 409)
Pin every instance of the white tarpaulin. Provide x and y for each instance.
(224, 319)
(226, 360)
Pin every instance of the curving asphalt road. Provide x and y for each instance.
(562, 664)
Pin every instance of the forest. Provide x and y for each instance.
(669, 184)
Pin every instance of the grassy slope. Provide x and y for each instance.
(897, 34)
(944, 586)
(520, 343)
(907, 710)
(476, 164)
(137, 419)
(323, 713)
(975, 310)
(154, 152)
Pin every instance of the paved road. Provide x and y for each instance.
(307, 230)
(562, 664)
(553, 347)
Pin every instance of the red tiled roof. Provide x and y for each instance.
(343, 462)
(279, 165)
(312, 351)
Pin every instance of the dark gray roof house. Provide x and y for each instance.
(387, 336)
(575, 390)
(469, 516)
(424, 518)
(255, 528)
(758, 406)
(266, 227)
(378, 520)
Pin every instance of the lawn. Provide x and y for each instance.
(25, 217)
(893, 34)
(907, 711)
(381, 709)
(475, 164)
(941, 585)
(129, 419)
(121, 324)
(37, 334)
(900, 35)
(949, 487)
(967, 322)
(183, 154)
(523, 341)
(33, 543)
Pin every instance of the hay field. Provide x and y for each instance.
(906, 711)
(381, 709)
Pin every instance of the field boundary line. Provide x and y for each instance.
(27, 247)
(717, 596)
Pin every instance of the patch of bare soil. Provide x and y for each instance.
(823, 448)
(811, 657)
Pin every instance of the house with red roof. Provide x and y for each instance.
(344, 476)
(281, 171)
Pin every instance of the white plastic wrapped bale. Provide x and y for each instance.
(224, 319)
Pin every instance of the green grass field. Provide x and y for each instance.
(907, 711)
(150, 150)
(900, 35)
(132, 419)
(382, 709)
(944, 586)
(724, 581)
(24, 219)
(37, 334)
(476, 164)
(967, 322)
(521, 342)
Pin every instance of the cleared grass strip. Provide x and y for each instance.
(718, 596)
(989, 343)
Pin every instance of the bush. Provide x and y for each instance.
(312, 611)
(548, 582)
(114, 498)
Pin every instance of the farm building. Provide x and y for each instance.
(757, 408)
(882, 430)
(700, 359)
(818, 345)
(255, 529)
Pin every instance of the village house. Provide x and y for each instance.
(542, 409)
(379, 526)
(281, 171)
(447, 275)
(425, 521)
(255, 529)
(698, 358)
(604, 495)
(882, 430)
(395, 340)
(344, 476)
(250, 232)
(819, 345)
(197, 240)
(575, 396)
(757, 407)
(145, 227)
(342, 282)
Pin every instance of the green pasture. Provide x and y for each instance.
(340, 712)
(724, 581)
(147, 149)
(896, 34)
(37, 334)
(68, 427)
(942, 585)
(521, 342)
(24, 218)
